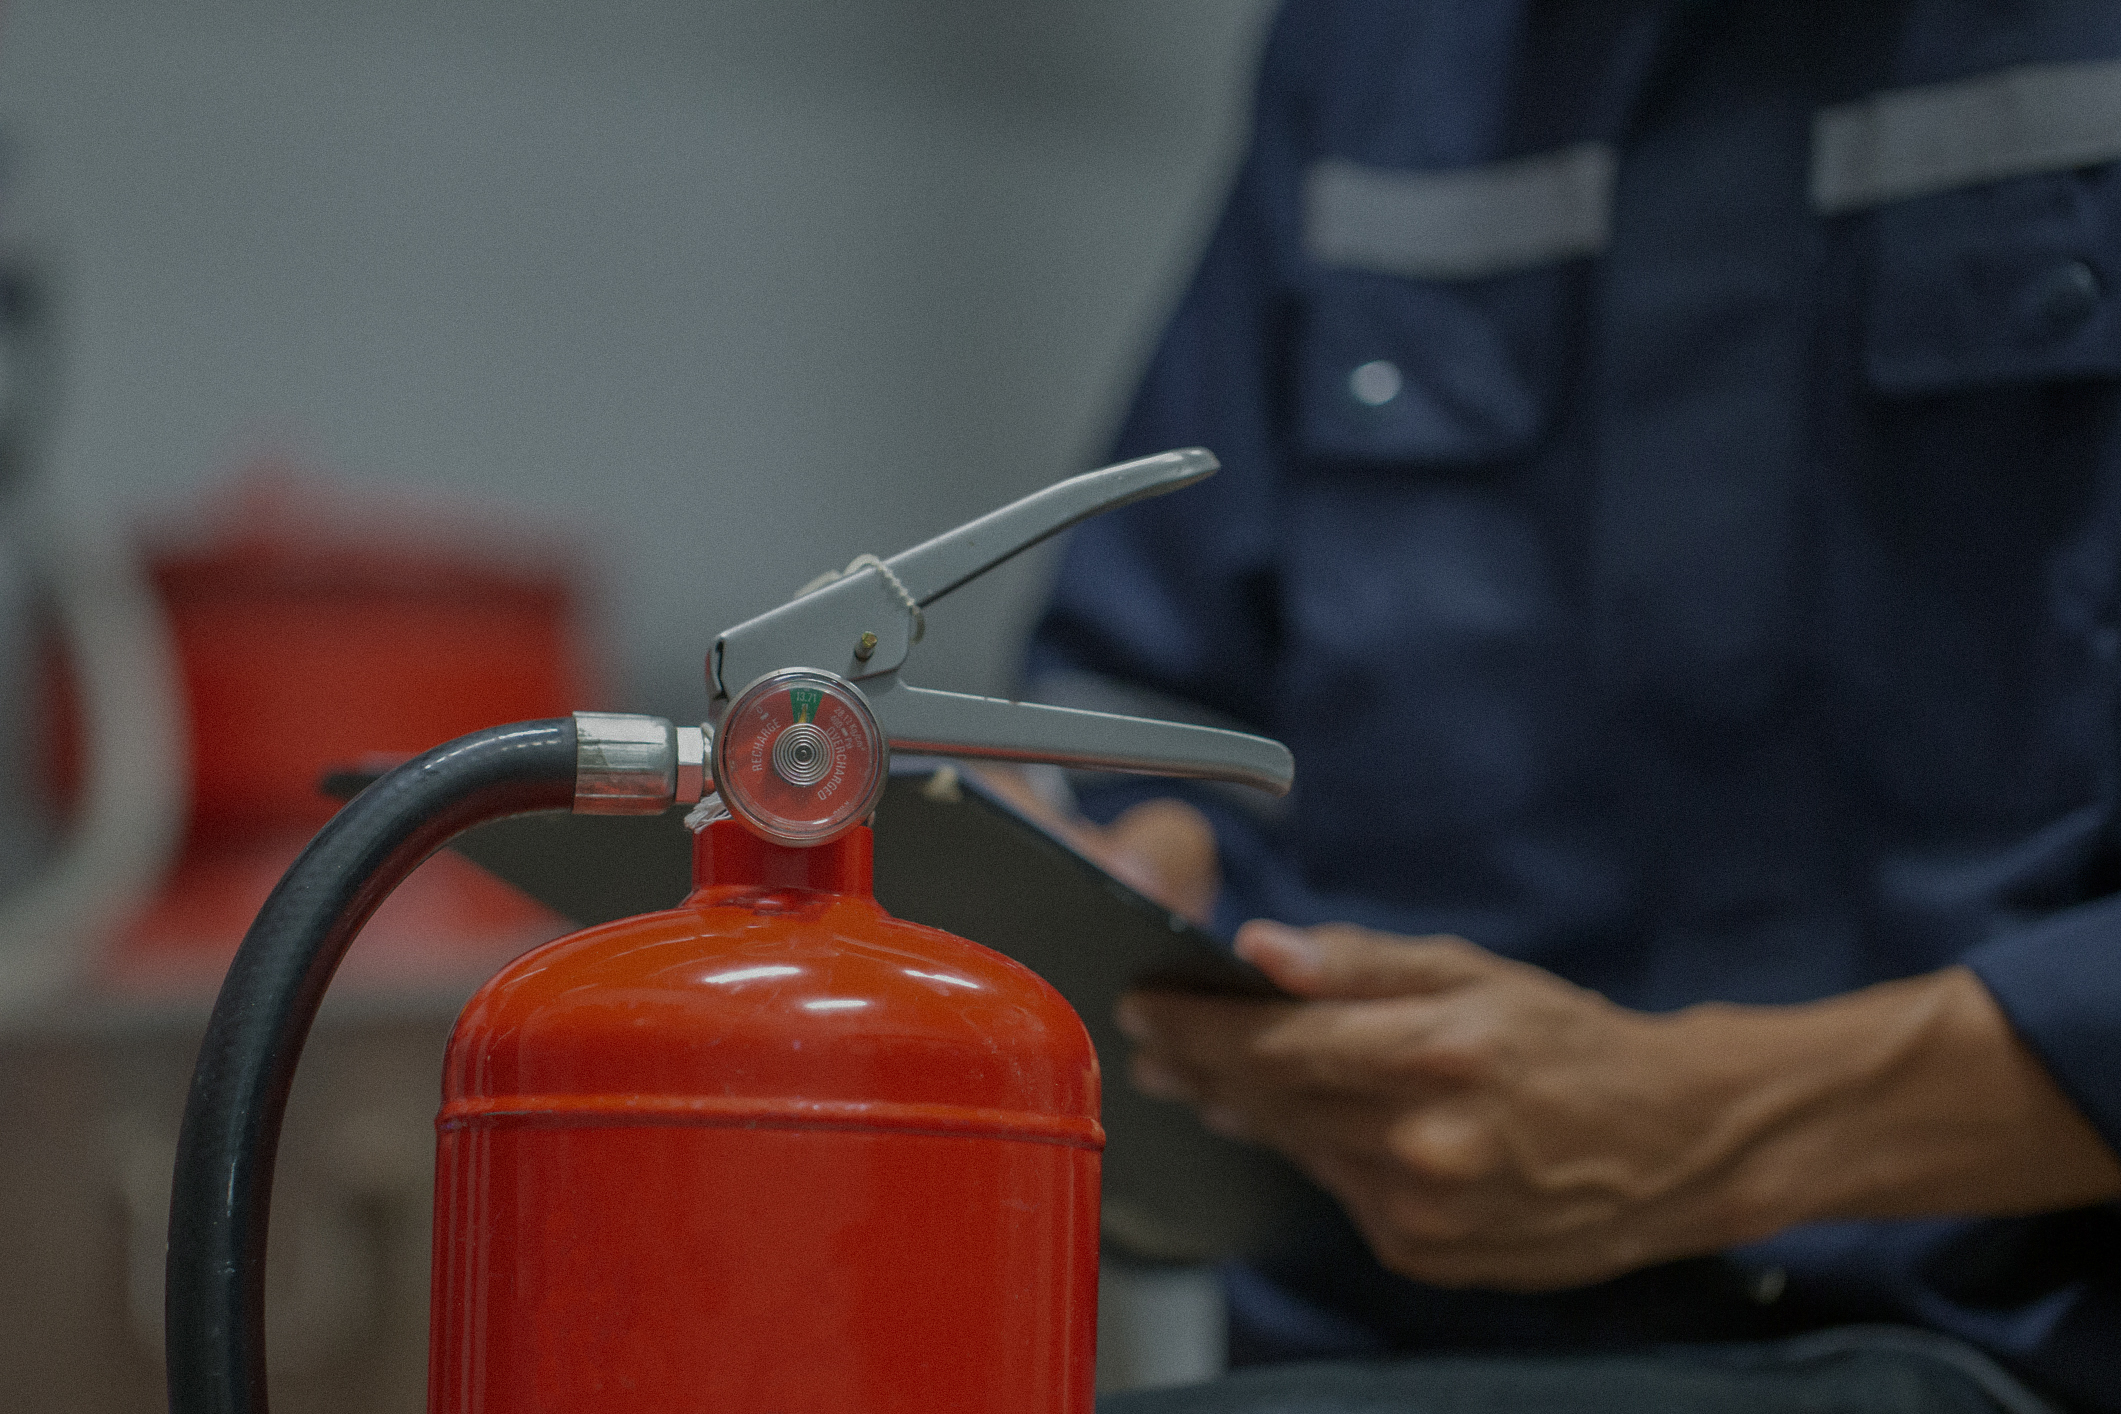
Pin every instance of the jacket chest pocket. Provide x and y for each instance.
(1992, 204)
(1971, 563)
(1987, 442)
(2008, 283)
(1398, 371)
(1436, 306)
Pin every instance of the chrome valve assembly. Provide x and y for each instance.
(807, 701)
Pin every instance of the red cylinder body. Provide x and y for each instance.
(770, 1152)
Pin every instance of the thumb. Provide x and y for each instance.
(1343, 962)
(1166, 849)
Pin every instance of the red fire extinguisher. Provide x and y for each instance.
(769, 1152)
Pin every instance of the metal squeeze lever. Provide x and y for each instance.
(807, 698)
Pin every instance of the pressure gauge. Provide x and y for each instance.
(798, 757)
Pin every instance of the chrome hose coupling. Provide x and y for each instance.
(627, 764)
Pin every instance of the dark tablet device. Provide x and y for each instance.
(953, 855)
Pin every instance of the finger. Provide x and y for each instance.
(1224, 1045)
(1201, 1040)
(1166, 849)
(1402, 1222)
(1157, 1081)
(1403, 1049)
(1448, 1145)
(1309, 1127)
(1340, 960)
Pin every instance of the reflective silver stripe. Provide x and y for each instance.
(1465, 223)
(2011, 123)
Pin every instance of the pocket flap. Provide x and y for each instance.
(1392, 370)
(2011, 282)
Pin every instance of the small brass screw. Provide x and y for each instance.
(864, 647)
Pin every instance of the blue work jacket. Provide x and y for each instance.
(1671, 507)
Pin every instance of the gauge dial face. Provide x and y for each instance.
(798, 757)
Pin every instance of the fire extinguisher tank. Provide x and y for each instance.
(770, 1152)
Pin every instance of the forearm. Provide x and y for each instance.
(1908, 1098)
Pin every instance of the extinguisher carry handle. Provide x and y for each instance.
(861, 625)
(934, 567)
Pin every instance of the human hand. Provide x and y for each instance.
(1482, 1121)
(1486, 1123)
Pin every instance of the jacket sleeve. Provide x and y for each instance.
(2059, 983)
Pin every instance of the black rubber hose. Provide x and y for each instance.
(214, 1312)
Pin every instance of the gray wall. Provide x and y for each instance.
(738, 288)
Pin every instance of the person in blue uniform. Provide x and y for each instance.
(1671, 507)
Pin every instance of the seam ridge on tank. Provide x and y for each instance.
(610, 1111)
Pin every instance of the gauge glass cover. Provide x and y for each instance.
(799, 758)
